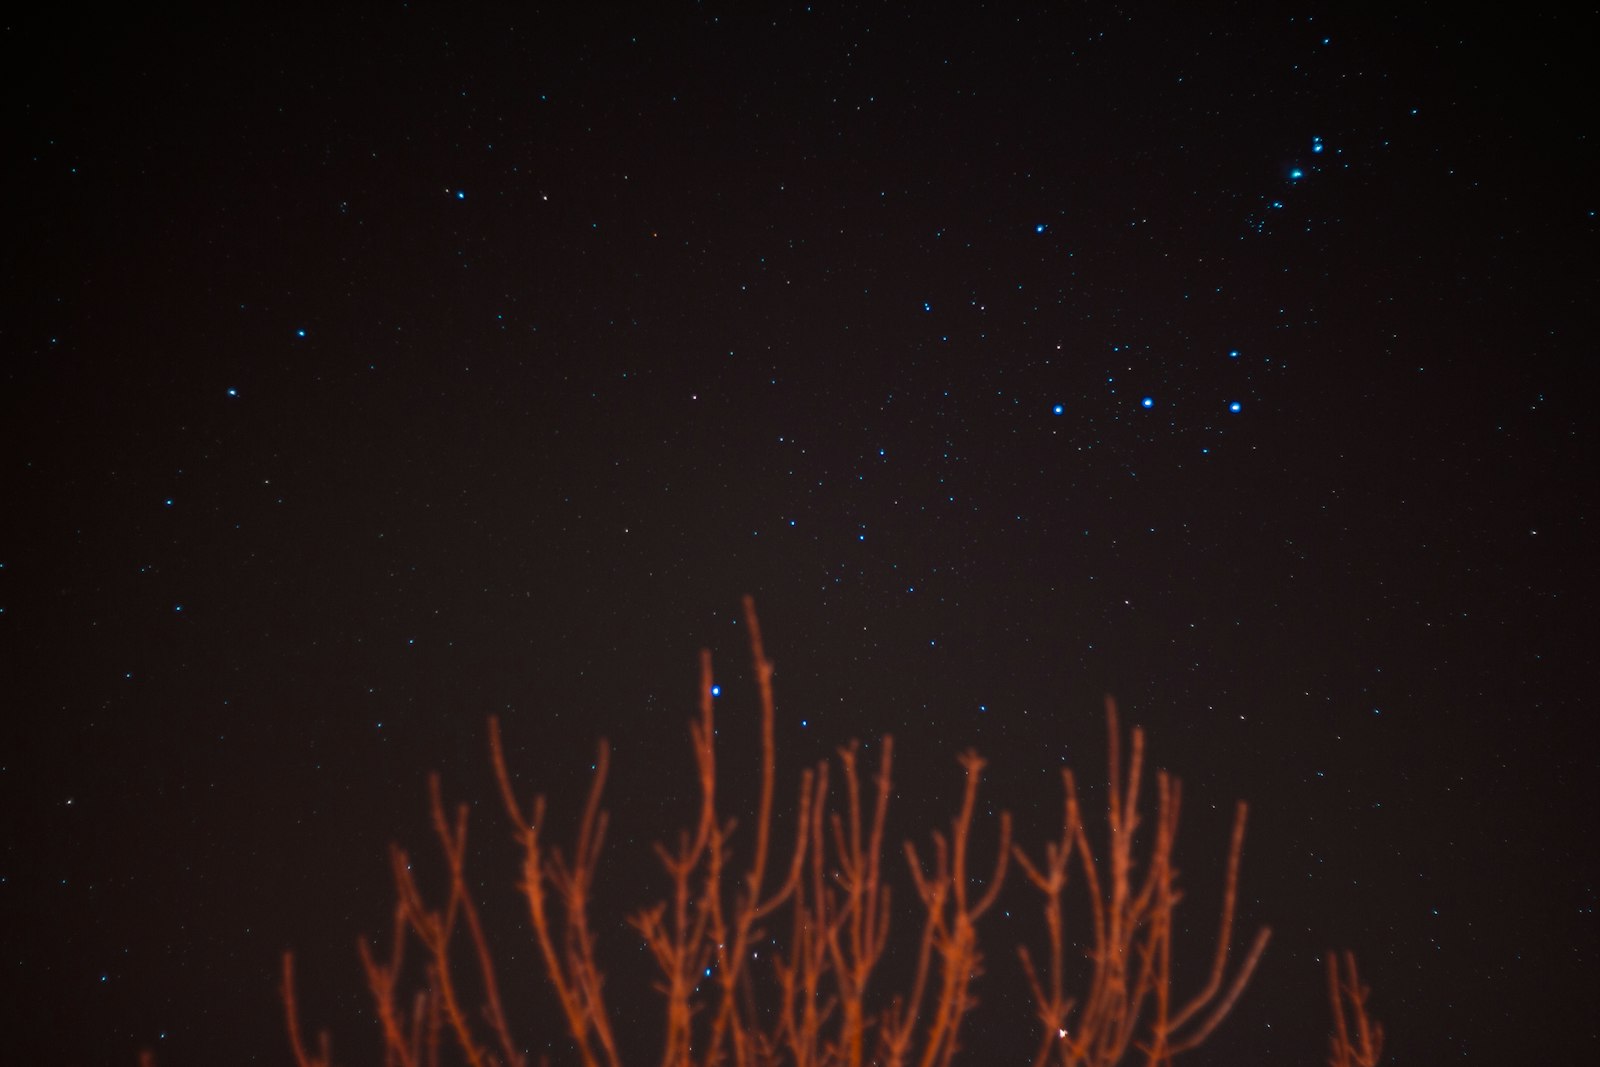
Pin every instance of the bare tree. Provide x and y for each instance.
(820, 1001)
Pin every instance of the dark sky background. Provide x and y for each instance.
(367, 375)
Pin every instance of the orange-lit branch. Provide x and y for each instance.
(400, 1049)
(857, 936)
(291, 1010)
(436, 930)
(1131, 926)
(950, 930)
(1350, 995)
(573, 968)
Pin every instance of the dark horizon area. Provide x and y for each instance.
(375, 373)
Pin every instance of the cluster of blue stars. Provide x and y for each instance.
(1148, 402)
(1295, 173)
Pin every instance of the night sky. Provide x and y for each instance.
(368, 375)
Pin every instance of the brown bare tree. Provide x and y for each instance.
(819, 1006)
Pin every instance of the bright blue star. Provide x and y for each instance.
(1058, 409)
(1148, 402)
(1295, 174)
(461, 194)
(1233, 354)
(233, 392)
(1316, 145)
(716, 690)
(1039, 227)
(168, 502)
(299, 333)
(1235, 407)
(926, 306)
